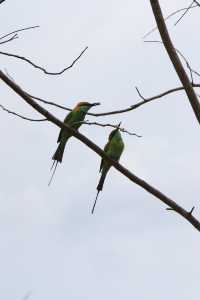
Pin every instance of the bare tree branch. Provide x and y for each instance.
(41, 68)
(1, 1)
(110, 125)
(20, 116)
(17, 31)
(49, 102)
(185, 12)
(169, 202)
(168, 17)
(14, 37)
(184, 58)
(197, 3)
(114, 112)
(192, 97)
(83, 122)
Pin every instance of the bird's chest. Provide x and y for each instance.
(77, 119)
(116, 148)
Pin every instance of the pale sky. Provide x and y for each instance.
(131, 248)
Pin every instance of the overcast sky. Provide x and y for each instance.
(131, 248)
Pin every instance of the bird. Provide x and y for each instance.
(114, 149)
(73, 119)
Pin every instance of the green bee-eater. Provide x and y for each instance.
(73, 119)
(113, 149)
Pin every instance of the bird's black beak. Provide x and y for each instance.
(118, 126)
(95, 104)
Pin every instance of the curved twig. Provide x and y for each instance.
(41, 68)
(20, 116)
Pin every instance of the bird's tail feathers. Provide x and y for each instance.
(58, 155)
(100, 186)
(95, 202)
(54, 170)
(102, 179)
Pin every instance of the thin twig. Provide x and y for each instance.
(189, 212)
(143, 184)
(110, 125)
(183, 57)
(141, 96)
(168, 17)
(18, 30)
(192, 209)
(14, 37)
(49, 102)
(185, 12)
(20, 116)
(41, 68)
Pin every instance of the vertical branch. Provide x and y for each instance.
(174, 58)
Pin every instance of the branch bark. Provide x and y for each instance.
(175, 59)
(143, 184)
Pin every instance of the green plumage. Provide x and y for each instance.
(74, 119)
(113, 149)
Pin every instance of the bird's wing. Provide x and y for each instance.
(67, 121)
(105, 150)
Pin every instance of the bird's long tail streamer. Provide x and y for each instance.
(95, 202)
(52, 165)
(54, 170)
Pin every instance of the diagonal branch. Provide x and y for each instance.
(20, 116)
(185, 12)
(18, 30)
(192, 97)
(41, 68)
(143, 184)
(197, 3)
(120, 111)
(14, 37)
